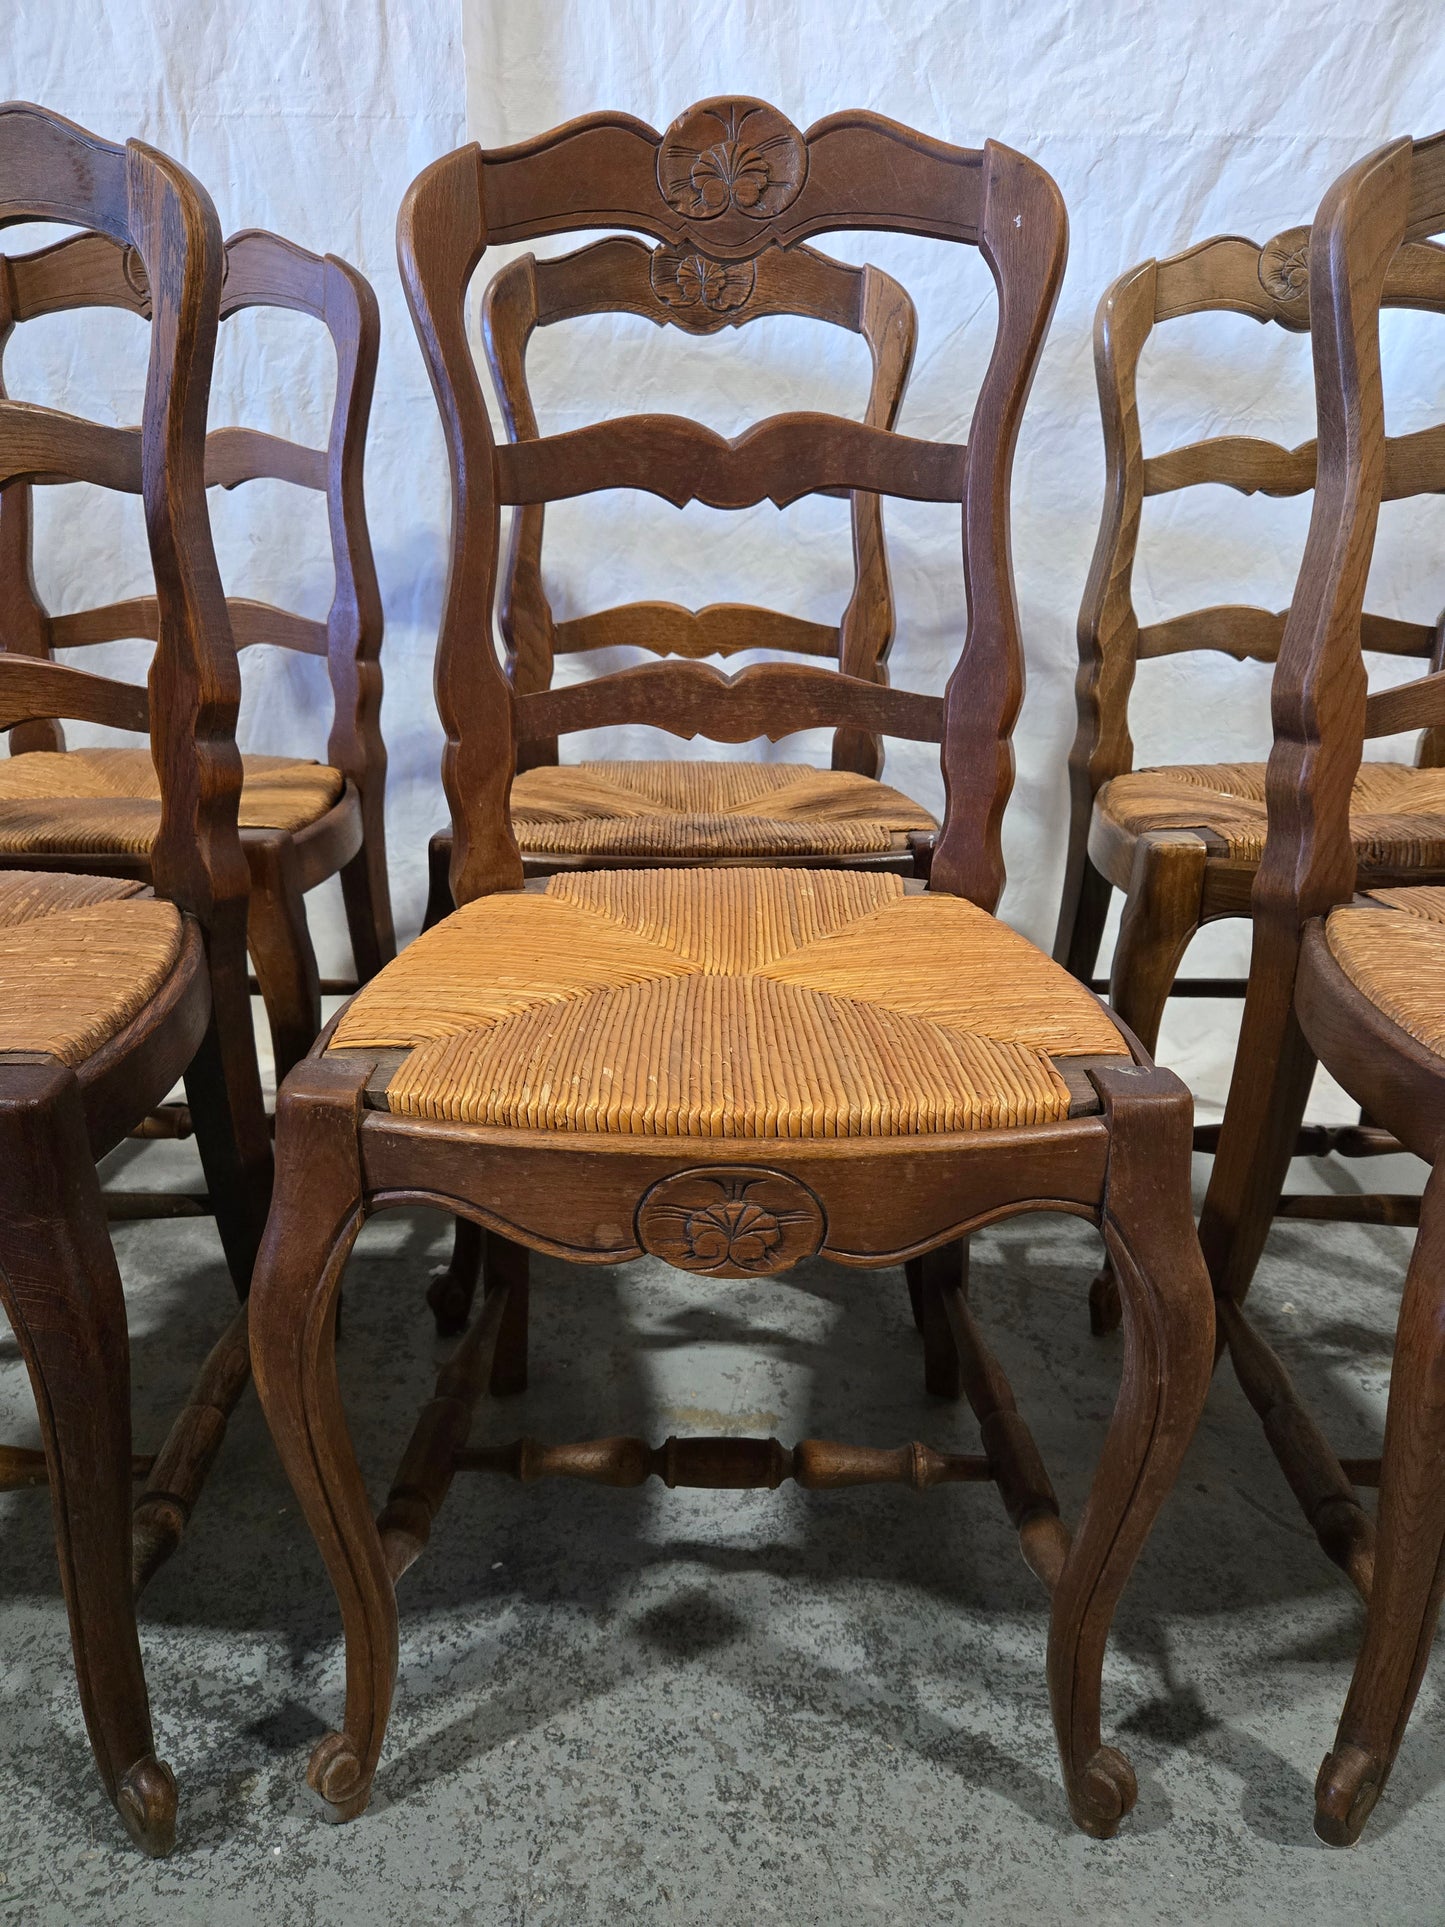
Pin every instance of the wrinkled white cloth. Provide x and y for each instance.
(1162, 126)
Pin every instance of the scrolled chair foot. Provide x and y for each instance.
(338, 1777)
(1350, 1782)
(146, 1803)
(1105, 1310)
(1103, 1793)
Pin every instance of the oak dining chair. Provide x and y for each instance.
(110, 992)
(301, 822)
(731, 1069)
(1182, 843)
(1349, 971)
(629, 812)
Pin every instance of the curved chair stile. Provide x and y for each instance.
(1347, 971)
(301, 822)
(1183, 843)
(153, 987)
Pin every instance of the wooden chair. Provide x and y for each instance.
(1350, 972)
(629, 814)
(300, 822)
(1184, 843)
(108, 993)
(623, 814)
(731, 1069)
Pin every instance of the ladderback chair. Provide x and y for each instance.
(301, 822)
(1350, 972)
(626, 813)
(109, 993)
(731, 1069)
(1183, 842)
(629, 814)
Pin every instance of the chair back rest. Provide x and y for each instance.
(1377, 215)
(729, 181)
(149, 212)
(259, 270)
(675, 286)
(1270, 284)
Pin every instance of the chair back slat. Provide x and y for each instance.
(730, 181)
(1271, 284)
(237, 455)
(260, 270)
(31, 689)
(138, 620)
(780, 460)
(771, 699)
(1411, 705)
(166, 253)
(672, 286)
(1254, 635)
(668, 629)
(732, 176)
(44, 445)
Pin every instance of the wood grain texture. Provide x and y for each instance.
(672, 286)
(1326, 979)
(471, 200)
(57, 1272)
(259, 270)
(1269, 284)
(731, 179)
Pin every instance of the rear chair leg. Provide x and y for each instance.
(223, 1089)
(1405, 1597)
(281, 949)
(1168, 1356)
(62, 1293)
(485, 1255)
(929, 1278)
(1161, 913)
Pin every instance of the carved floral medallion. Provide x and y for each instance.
(730, 1222)
(683, 278)
(1284, 266)
(133, 270)
(731, 155)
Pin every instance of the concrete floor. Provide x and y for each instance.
(690, 1707)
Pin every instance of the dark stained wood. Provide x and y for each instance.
(694, 698)
(260, 270)
(1122, 1160)
(1300, 1005)
(1174, 882)
(729, 1464)
(470, 200)
(671, 286)
(58, 1278)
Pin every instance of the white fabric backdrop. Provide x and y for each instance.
(1161, 125)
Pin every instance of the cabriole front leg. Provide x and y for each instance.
(317, 1212)
(62, 1293)
(1168, 1319)
(1404, 1600)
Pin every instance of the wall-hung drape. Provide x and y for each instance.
(1162, 125)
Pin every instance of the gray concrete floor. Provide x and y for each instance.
(690, 1707)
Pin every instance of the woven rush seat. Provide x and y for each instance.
(75, 968)
(1397, 811)
(697, 810)
(1392, 949)
(733, 1003)
(94, 801)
